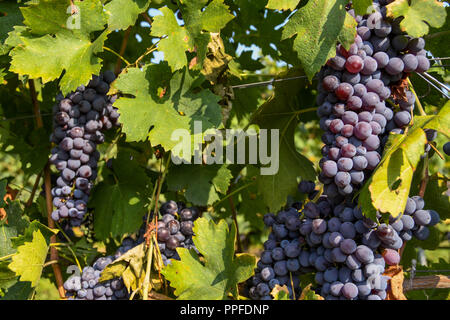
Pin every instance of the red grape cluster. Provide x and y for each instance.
(353, 89)
(79, 120)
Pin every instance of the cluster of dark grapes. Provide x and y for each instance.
(279, 263)
(347, 251)
(87, 286)
(351, 251)
(175, 229)
(79, 120)
(353, 89)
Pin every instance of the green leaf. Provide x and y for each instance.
(124, 13)
(201, 106)
(195, 35)
(282, 4)
(52, 16)
(10, 16)
(3, 184)
(27, 235)
(418, 15)
(142, 113)
(202, 184)
(215, 16)
(19, 291)
(46, 16)
(176, 41)
(318, 26)
(14, 224)
(436, 196)
(434, 40)
(79, 62)
(30, 258)
(119, 201)
(7, 277)
(361, 6)
(282, 111)
(217, 275)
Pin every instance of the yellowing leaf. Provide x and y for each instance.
(129, 266)
(388, 188)
(309, 294)
(29, 260)
(282, 4)
(390, 184)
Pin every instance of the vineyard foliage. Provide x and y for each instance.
(180, 65)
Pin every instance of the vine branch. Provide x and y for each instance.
(123, 46)
(427, 282)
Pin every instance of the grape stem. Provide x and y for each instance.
(116, 54)
(151, 239)
(33, 192)
(233, 212)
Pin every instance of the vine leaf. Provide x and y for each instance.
(139, 111)
(129, 266)
(29, 260)
(202, 184)
(280, 292)
(280, 113)
(418, 16)
(201, 106)
(388, 188)
(10, 16)
(194, 36)
(142, 110)
(435, 196)
(318, 26)
(218, 273)
(309, 294)
(14, 224)
(19, 291)
(51, 42)
(176, 41)
(361, 6)
(119, 200)
(124, 13)
(282, 4)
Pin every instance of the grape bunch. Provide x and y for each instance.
(79, 120)
(88, 287)
(279, 260)
(352, 92)
(175, 229)
(347, 252)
